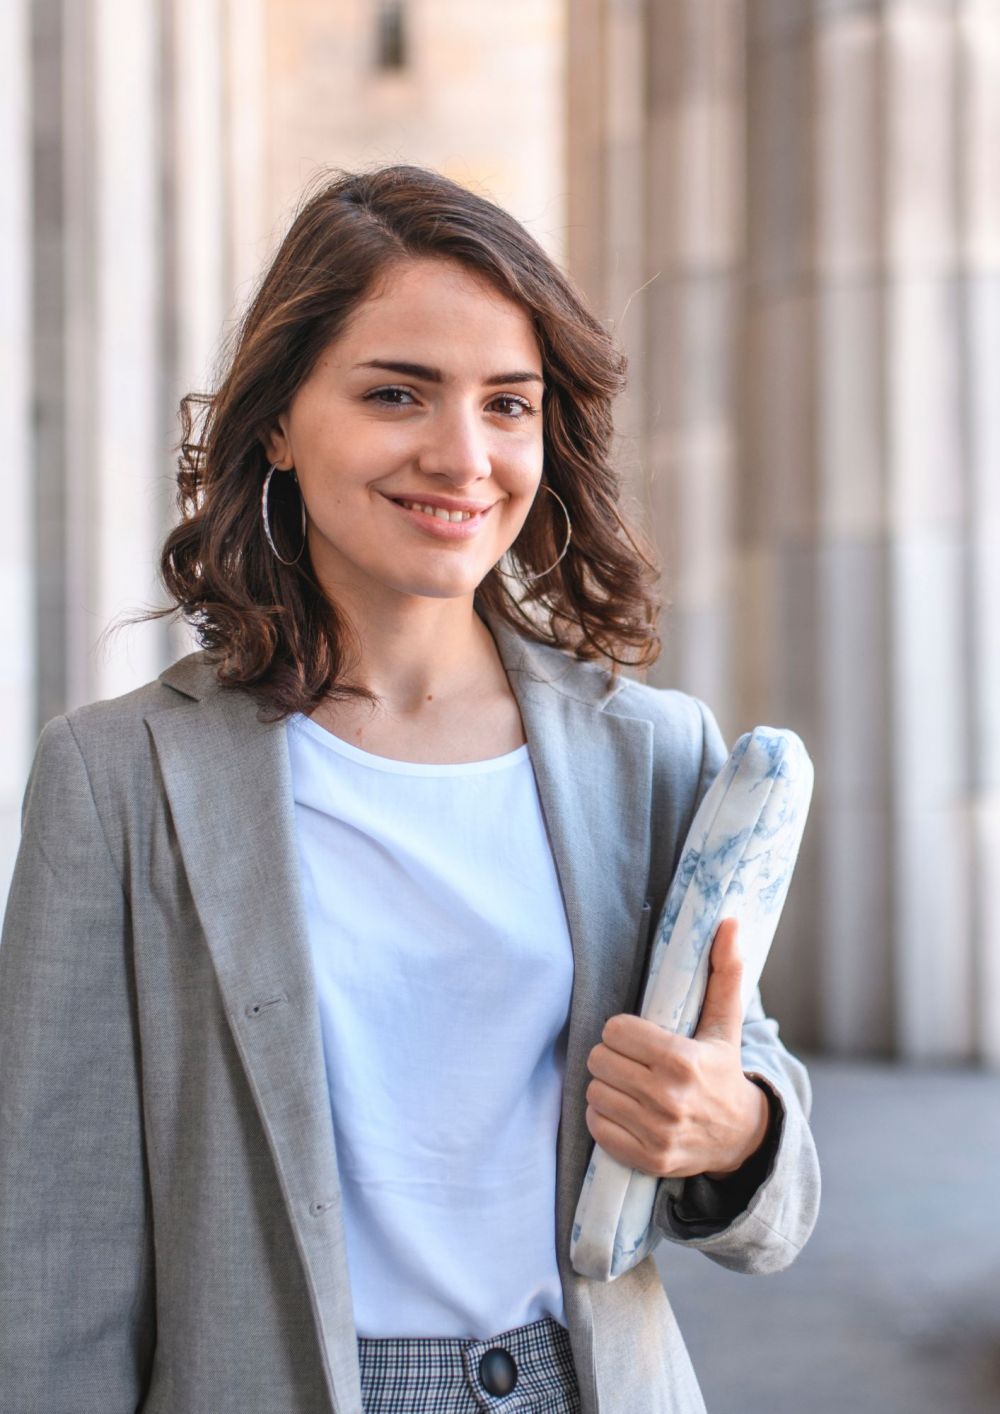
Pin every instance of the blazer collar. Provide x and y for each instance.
(228, 781)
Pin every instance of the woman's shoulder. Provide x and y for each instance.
(663, 706)
(686, 736)
(113, 732)
(669, 709)
(687, 741)
(104, 751)
(190, 677)
(593, 681)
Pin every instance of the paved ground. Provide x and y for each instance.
(894, 1305)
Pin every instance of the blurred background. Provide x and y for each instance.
(788, 212)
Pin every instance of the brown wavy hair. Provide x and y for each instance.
(269, 627)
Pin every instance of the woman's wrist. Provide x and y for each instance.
(759, 1125)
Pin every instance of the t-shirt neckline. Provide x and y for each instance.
(389, 764)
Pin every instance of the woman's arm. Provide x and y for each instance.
(77, 1323)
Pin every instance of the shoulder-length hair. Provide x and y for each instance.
(268, 627)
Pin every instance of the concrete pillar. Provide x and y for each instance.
(61, 347)
(199, 226)
(96, 356)
(655, 134)
(694, 330)
(927, 505)
(777, 646)
(606, 198)
(17, 666)
(853, 886)
(978, 62)
(126, 350)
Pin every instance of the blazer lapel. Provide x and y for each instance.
(593, 769)
(227, 779)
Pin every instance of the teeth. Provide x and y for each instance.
(438, 511)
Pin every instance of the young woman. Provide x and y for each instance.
(320, 952)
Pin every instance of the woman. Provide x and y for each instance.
(320, 949)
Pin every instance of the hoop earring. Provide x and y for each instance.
(528, 578)
(265, 514)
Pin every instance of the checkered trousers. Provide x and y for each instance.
(434, 1375)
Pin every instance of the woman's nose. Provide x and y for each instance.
(455, 446)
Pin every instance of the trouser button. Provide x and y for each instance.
(498, 1371)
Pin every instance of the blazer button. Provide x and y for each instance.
(498, 1371)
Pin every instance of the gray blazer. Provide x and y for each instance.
(171, 1236)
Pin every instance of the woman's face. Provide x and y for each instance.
(430, 397)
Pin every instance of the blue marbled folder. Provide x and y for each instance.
(736, 862)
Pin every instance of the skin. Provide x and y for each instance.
(674, 1106)
(661, 1103)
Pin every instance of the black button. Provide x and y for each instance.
(498, 1371)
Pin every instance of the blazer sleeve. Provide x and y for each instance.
(758, 1219)
(76, 1262)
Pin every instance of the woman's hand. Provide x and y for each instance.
(674, 1106)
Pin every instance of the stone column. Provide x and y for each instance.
(927, 511)
(978, 64)
(216, 233)
(607, 198)
(95, 338)
(656, 232)
(17, 667)
(694, 313)
(778, 645)
(125, 341)
(62, 318)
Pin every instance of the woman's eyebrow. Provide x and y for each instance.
(434, 375)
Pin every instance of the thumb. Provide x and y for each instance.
(722, 1010)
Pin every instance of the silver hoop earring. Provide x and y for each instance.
(267, 525)
(528, 578)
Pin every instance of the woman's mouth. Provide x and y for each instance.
(439, 521)
(439, 511)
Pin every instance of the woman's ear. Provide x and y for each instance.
(276, 445)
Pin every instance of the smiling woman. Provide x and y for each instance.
(313, 941)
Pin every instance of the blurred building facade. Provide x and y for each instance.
(789, 213)
(808, 190)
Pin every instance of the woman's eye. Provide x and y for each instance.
(389, 397)
(512, 407)
(517, 407)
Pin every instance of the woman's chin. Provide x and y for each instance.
(405, 587)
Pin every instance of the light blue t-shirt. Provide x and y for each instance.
(444, 973)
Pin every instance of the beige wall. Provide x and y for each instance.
(481, 99)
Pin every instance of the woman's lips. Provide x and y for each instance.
(436, 525)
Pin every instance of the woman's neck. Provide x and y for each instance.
(445, 696)
(421, 650)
